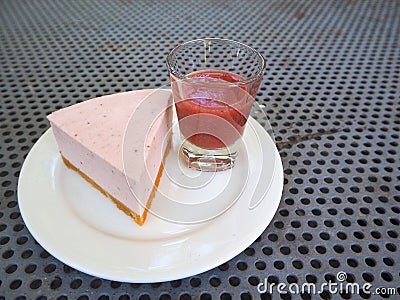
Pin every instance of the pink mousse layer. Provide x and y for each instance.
(118, 141)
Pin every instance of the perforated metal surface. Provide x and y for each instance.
(332, 95)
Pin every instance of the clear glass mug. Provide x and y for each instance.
(214, 83)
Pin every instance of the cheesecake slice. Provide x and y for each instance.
(118, 143)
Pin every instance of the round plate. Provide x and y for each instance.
(80, 227)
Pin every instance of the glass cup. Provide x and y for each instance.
(214, 83)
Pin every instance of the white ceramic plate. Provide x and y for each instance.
(80, 227)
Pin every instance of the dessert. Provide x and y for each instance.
(118, 143)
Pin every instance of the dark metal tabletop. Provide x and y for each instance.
(331, 92)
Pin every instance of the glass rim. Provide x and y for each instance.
(180, 76)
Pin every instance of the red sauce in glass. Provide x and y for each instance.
(213, 115)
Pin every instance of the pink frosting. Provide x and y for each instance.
(116, 140)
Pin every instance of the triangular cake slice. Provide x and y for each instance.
(118, 143)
